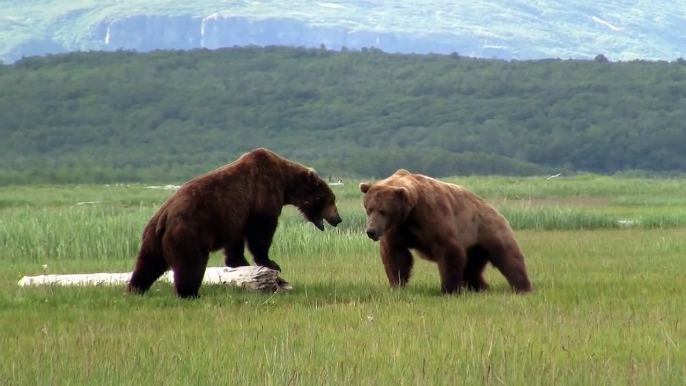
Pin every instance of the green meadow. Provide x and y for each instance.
(606, 257)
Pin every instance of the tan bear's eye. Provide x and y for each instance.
(382, 212)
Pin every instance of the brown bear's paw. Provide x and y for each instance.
(478, 286)
(451, 288)
(134, 290)
(236, 262)
(184, 293)
(524, 289)
(271, 264)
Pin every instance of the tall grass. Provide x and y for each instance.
(640, 191)
(583, 185)
(110, 233)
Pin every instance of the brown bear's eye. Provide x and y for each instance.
(382, 212)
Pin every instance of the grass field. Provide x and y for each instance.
(607, 308)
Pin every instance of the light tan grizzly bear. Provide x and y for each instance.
(223, 209)
(444, 223)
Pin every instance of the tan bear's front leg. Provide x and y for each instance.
(397, 261)
(451, 265)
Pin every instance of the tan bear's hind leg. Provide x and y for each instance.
(397, 262)
(510, 262)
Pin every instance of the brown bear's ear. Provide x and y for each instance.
(364, 187)
(312, 174)
(402, 193)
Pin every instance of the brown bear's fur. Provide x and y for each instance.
(222, 209)
(444, 223)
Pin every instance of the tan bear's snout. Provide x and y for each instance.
(374, 230)
(371, 233)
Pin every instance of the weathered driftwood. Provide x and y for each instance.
(249, 277)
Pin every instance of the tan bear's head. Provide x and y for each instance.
(386, 206)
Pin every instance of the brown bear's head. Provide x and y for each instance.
(386, 206)
(315, 200)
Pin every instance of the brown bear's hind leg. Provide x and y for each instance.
(188, 260)
(234, 254)
(188, 275)
(510, 262)
(397, 262)
(150, 265)
(477, 258)
(451, 265)
(259, 234)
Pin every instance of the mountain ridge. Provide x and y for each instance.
(521, 29)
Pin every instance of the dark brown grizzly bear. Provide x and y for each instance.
(444, 223)
(222, 209)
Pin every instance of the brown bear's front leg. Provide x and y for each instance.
(259, 234)
(451, 265)
(234, 254)
(397, 261)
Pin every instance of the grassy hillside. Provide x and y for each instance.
(170, 115)
(619, 29)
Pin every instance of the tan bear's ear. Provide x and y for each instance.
(364, 187)
(402, 193)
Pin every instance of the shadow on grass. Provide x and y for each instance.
(162, 296)
(308, 294)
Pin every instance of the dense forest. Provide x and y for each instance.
(168, 115)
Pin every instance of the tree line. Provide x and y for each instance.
(169, 115)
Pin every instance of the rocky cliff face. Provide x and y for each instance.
(144, 33)
(519, 29)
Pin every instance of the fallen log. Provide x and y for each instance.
(250, 277)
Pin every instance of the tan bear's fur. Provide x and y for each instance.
(446, 224)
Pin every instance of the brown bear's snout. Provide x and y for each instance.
(331, 215)
(334, 220)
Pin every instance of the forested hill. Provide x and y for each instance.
(166, 115)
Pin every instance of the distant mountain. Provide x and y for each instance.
(509, 29)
